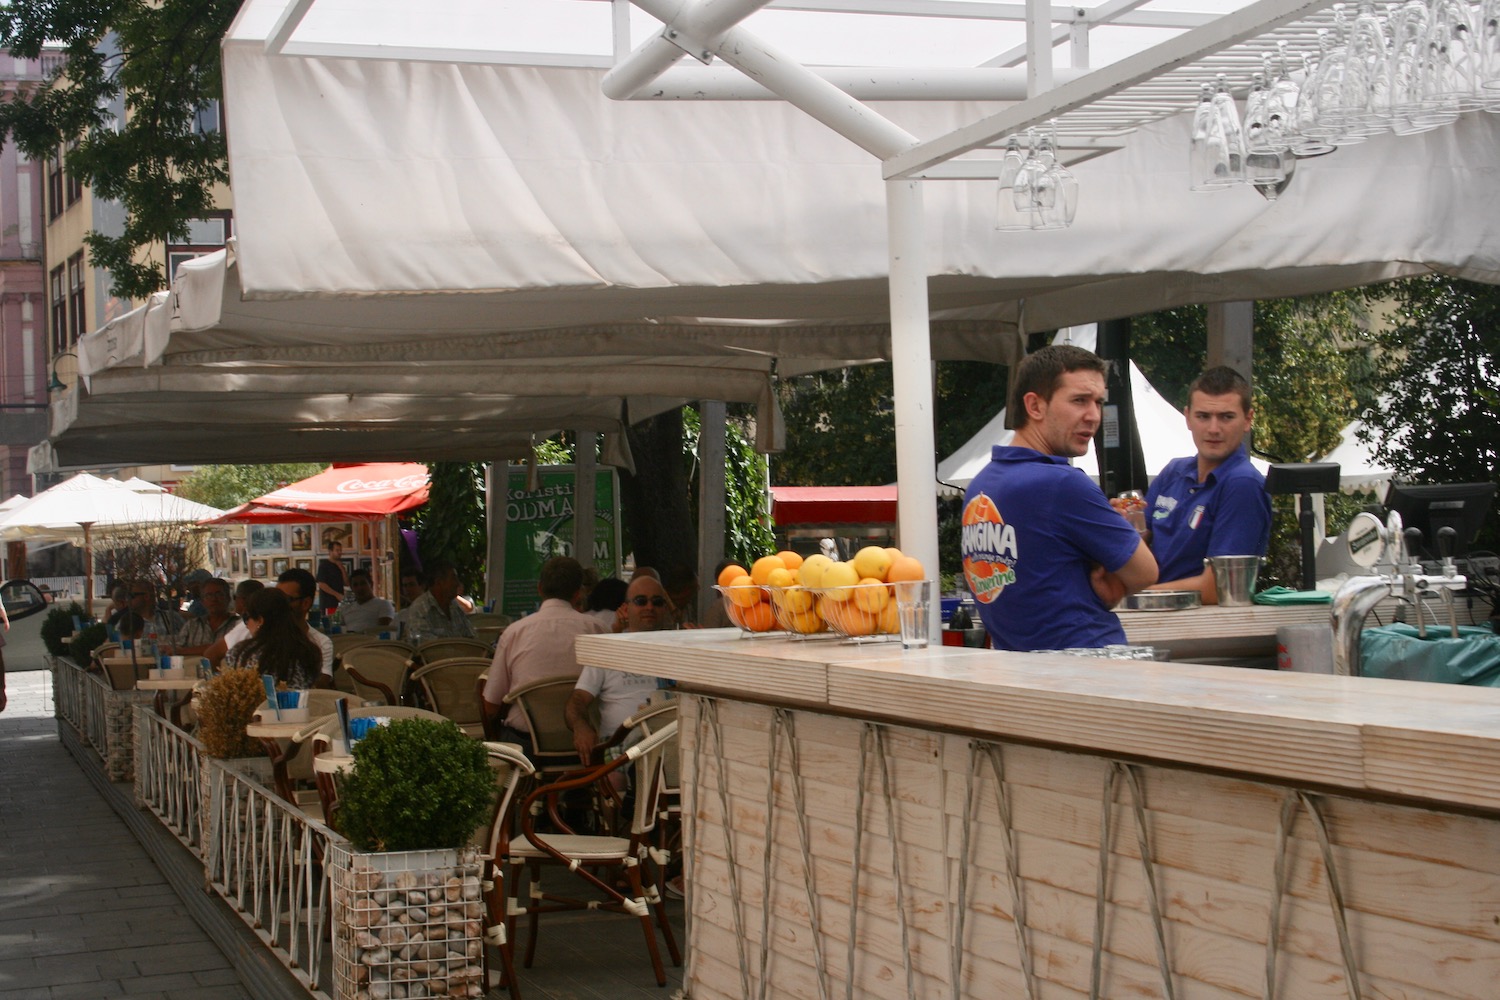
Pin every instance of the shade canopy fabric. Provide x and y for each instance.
(103, 504)
(813, 505)
(347, 493)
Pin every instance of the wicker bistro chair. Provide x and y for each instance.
(320, 733)
(587, 856)
(609, 802)
(450, 688)
(511, 769)
(379, 671)
(345, 641)
(541, 702)
(449, 647)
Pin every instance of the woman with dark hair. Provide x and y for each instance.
(277, 645)
(605, 599)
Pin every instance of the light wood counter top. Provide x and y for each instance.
(1408, 739)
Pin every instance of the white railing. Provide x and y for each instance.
(168, 766)
(267, 859)
(67, 685)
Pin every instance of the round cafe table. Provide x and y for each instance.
(276, 737)
(167, 706)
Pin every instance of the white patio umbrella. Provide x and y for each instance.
(73, 509)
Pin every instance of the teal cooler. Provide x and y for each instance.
(1397, 652)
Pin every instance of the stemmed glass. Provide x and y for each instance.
(1453, 58)
(1061, 201)
(1489, 39)
(1007, 218)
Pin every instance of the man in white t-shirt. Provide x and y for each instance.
(365, 612)
(620, 694)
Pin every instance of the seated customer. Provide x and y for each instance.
(620, 694)
(437, 613)
(278, 643)
(364, 612)
(200, 633)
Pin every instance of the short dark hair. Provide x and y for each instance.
(220, 582)
(608, 594)
(1221, 381)
(361, 574)
(307, 584)
(1042, 371)
(561, 577)
(248, 588)
(439, 569)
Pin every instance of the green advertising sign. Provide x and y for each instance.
(539, 525)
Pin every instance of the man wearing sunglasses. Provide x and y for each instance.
(620, 694)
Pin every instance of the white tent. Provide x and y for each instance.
(474, 201)
(1359, 472)
(76, 508)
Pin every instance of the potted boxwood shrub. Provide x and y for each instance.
(225, 704)
(88, 639)
(58, 625)
(408, 915)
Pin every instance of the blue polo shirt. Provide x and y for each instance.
(1034, 527)
(1228, 514)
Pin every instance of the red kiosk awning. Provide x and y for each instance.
(365, 492)
(794, 505)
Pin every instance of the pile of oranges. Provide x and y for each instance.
(811, 595)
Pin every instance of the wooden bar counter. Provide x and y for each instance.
(1344, 832)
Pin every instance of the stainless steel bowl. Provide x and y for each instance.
(1163, 600)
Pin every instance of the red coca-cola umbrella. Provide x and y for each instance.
(366, 492)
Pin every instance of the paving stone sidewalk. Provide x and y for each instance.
(84, 912)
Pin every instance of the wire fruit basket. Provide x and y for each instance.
(862, 612)
(750, 608)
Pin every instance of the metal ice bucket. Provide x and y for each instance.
(1234, 577)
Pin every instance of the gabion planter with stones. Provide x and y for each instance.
(407, 924)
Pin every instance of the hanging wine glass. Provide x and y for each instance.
(1453, 58)
(1208, 161)
(1489, 62)
(1310, 136)
(1032, 190)
(1061, 205)
(1411, 111)
(1234, 135)
(1006, 216)
(1370, 50)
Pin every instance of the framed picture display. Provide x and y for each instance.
(267, 538)
(258, 568)
(303, 564)
(348, 562)
(278, 565)
(302, 538)
(367, 536)
(328, 534)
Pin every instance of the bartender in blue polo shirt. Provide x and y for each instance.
(1044, 553)
(1213, 503)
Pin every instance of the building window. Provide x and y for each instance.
(54, 187)
(59, 312)
(74, 186)
(75, 298)
(205, 235)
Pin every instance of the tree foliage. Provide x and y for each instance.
(1311, 370)
(451, 525)
(1437, 415)
(161, 59)
(841, 425)
(226, 486)
(747, 521)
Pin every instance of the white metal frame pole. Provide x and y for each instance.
(911, 374)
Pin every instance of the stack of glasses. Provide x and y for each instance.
(1036, 191)
(1417, 68)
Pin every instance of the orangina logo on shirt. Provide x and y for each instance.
(988, 546)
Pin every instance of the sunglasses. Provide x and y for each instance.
(641, 601)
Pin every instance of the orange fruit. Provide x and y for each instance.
(758, 617)
(803, 622)
(857, 622)
(790, 558)
(796, 599)
(763, 567)
(810, 573)
(726, 578)
(888, 622)
(744, 592)
(872, 595)
(893, 553)
(905, 568)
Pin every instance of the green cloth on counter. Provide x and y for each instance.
(1286, 595)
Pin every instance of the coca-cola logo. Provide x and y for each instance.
(405, 483)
